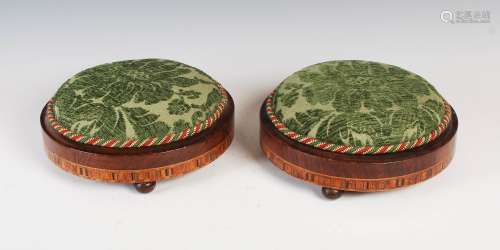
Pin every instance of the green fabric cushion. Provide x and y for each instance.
(136, 103)
(358, 107)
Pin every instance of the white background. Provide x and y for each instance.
(242, 201)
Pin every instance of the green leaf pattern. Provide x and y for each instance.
(136, 99)
(358, 103)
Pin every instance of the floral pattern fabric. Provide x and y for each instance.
(358, 104)
(137, 100)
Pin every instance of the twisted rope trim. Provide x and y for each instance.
(114, 143)
(356, 150)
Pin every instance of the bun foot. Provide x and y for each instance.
(145, 187)
(331, 193)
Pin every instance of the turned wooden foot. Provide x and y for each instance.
(145, 187)
(331, 193)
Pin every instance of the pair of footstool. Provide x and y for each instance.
(343, 125)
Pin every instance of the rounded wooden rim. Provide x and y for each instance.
(133, 165)
(142, 175)
(361, 173)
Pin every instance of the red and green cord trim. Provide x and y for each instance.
(112, 143)
(356, 150)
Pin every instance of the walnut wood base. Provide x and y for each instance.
(142, 176)
(142, 167)
(357, 173)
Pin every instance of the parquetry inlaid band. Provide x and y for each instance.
(355, 184)
(140, 175)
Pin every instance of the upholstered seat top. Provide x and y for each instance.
(136, 103)
(358, 107)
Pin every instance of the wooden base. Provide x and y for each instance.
(140, 166)
(357, 173)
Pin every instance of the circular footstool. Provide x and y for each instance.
(137, 122)
(357, 126)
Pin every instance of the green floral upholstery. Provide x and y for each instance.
(358, 107)
(136, 103)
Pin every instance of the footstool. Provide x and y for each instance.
(357, 126)
(137, 122)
